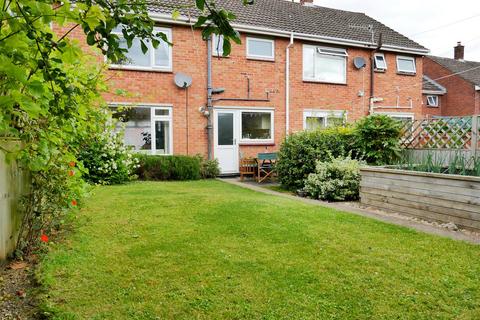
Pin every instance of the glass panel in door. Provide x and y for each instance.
(225, 129)
(162, 137)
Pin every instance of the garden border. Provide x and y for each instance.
(444, 198)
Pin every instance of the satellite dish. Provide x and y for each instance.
(182, 80)
(359, 62)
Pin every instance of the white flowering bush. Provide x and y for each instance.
(335, 180)
(108, 160)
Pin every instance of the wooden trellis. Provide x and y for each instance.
(442, 133)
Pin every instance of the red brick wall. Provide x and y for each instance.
(189, 56)
(428, 112)
(460, 97)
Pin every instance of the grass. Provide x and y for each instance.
(209, 250)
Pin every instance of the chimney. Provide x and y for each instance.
(306, 2)
(459, 51)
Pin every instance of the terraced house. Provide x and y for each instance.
(299, 67)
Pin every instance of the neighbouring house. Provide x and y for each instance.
(460, 79)
(299, 67)
(433, 97)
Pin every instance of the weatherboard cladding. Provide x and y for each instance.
(461, 67)
(293, 17)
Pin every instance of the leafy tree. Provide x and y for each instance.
(50, 90)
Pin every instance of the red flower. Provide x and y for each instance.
(74, 202)
(44, 238)
(71, 164)
(71, 173)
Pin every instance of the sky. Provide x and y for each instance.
(416, 19)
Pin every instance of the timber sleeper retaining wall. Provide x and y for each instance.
(429, 196)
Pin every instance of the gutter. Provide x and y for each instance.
(287, 86)
(184, 20)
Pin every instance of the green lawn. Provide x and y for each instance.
(210, 250)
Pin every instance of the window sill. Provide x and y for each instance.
(145, 69)
(325, 82)
(220, 56)
(433, 106)
(403, 73)
(255, 143)
(261, 59)
(380, 70)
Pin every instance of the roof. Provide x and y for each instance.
(289, 16)
(430, 86)
(468, 70)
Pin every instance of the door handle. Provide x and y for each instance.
(234, 141)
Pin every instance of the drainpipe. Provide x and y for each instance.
(209, 99)
(287, 85)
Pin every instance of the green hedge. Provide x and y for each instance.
(300, 152)
(169, 167)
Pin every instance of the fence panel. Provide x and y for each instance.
(14, 183)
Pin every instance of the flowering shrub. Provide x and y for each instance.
(335, 180)
(107, 160)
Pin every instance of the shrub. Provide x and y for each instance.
(169, 167)
(378, 138)
(210, 169)
(107, 159)
(335, 180)
(300, 151)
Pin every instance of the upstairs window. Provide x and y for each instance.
(406, 65)
(217, 45)
(380, 62)
(432, 101)
(154, 59)
(324, 64)
(262, 49)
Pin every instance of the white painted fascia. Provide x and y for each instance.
(477, 88)
(184, 20)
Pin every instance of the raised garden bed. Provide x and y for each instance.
(429, 196)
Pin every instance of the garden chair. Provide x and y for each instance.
(266, 166)
(248, 167)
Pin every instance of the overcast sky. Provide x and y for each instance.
(411, 17)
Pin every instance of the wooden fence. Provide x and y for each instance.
(14, 183)
(442, 138)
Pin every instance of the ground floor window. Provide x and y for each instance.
(256, 125)
(318, 119)
(147, 128)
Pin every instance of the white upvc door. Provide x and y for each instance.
(226, 140)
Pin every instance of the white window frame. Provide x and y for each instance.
(261, 57)
(412, 59)
(377, 62)
(338, 52)
(405, 115)
(315, 113)
(257, 141)
(153, 119)
(151, 52)
(219, 52)
(433, 101)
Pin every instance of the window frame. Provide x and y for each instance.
(317, 113)
(260, 57)
(153, 118)
(437, 101)
(412, 59)
(257, 141)
(329, 51)
(382, 55)
(219, 52)
(151, 51)
(405, 115)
